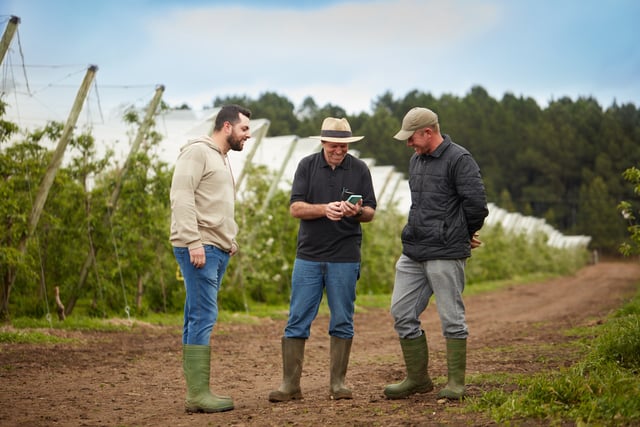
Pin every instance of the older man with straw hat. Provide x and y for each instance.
(332, 194)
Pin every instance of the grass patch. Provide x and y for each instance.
(603, 388)
(164, 319)
(30, 337)
(76, 323)
(368, 301)
(496, 285)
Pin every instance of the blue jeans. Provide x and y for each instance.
(415, 283)
(202, 285)
(308, 281)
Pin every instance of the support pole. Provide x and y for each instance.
(56, 160)
(142, 131)
(11, 29)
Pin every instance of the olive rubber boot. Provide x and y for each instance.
(416, 358)
(196, 363)
(292, 358)
(456, 366)
(340, 351)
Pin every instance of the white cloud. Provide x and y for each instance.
(345, 54)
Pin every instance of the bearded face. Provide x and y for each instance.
(239, 134)
(235, 141)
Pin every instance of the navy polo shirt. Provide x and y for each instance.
(314, 182)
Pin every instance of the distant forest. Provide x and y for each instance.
(563, 163)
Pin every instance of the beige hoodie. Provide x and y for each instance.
(202, 197)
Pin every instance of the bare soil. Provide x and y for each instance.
(135, 378)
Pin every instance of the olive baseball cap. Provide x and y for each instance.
(416, 118)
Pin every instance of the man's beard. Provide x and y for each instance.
(235, 143)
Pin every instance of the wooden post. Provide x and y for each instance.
(7, 37)
(59, 306)
(144, 127)
(12, 26)
(56, 160)
(139, 293)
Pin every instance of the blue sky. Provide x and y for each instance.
(343, 52)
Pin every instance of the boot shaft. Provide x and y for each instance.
(457, 356)
(416, 354)
(292, 361)
(196, 364)
(340, 351)
(456, 368)
(293, 356)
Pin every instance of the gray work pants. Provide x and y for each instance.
(414, 285)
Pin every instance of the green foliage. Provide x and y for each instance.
(22, 165)
(381, 248)
(505, 256)
(631, 175)
(597, 208)
(601, 389)
(376, 131)
(126, 236)
(620, 340)
(6, 128)
(261, 270)
(622, 349)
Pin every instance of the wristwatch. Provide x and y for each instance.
(359, 212)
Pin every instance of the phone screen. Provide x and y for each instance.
(354, 198)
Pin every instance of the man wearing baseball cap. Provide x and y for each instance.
(448, 207)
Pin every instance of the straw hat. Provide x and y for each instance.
(336, 130)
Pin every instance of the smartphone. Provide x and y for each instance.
(354, 198)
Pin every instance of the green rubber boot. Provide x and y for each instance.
(416, 358)
(340, 351)
(456, 366)
(292, 359)
(196, 363)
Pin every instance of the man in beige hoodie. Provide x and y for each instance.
(203, 231)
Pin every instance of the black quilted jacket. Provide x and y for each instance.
(448, 204)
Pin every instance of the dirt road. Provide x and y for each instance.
(135, 378)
